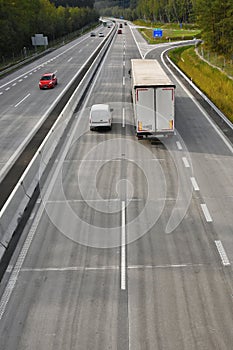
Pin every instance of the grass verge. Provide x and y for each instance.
(169, 35)
(171, 31)
(214, 83)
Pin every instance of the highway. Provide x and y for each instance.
(129, 245)
(24, 107)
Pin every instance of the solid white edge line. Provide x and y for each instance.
(194, 183)
(222, 253)
(123, 242)
(215, 127)
(206, 213)
(131, 29)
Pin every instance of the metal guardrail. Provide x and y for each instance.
(211, 104)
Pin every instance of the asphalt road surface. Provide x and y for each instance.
(130, 244)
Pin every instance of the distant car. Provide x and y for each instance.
(119, 31)
(125, 23)
(92, 34)
(48, 81)
(101, 34)
(120, 25)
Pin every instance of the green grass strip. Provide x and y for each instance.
(214, 83)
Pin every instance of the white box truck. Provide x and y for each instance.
(153, 95)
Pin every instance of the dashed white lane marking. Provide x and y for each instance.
(70, 59)
(123, 82)
(123, 242)
(222, 253)
(206, 213)
(186, 163)
(123, 117)
(22, 100)
(179, 145)
(194, 183)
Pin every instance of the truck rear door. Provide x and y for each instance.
(165, 109)
(145, 109)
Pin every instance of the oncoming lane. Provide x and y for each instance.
(24, 107)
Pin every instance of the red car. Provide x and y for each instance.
(48, 81)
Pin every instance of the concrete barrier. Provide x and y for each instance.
(12, 212)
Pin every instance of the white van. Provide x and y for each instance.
(100, 116)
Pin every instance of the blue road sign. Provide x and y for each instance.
(157, 33)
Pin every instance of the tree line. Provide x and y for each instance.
(22, 19)
(214, 17)
(73, 3)
(166, 10)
